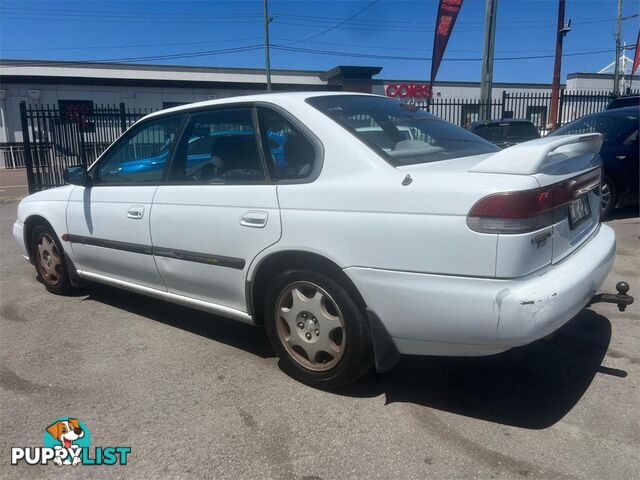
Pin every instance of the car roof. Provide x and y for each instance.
(626, 96)
(616, 111)
(275, 97)
(506, 120)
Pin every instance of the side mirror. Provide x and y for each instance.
(77, 175)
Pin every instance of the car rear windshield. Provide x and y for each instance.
(497, 132)
(401, 133)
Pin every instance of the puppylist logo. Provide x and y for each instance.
(67, 442)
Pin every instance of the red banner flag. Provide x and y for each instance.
(447, 14)
(636, 57)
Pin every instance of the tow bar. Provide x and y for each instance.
(621, 298)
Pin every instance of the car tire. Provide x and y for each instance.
(48, 258)
(319, 332)
(607, 198)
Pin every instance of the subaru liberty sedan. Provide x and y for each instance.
(350, 248)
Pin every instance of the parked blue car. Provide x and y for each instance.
(619, 153)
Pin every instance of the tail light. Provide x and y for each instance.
(529, 210)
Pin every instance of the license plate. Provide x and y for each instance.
(579, 211)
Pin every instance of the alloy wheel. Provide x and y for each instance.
(49, 260)
(310, 326)
(605, 196)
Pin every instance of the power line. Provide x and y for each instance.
(69, 18)
(379, 28)
(396, 57)
(404, 49)
(107, 47)
(430, 22)
(280, 39)
(205, 53)
(338, 24)
(247, 48)
(307, 18)
(113, 13)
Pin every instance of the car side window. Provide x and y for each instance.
(218, 146)
(631, 139)
(289, 153)
(141, 156)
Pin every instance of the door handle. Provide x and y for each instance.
(621, 157)
(254, 218)
(136, 212)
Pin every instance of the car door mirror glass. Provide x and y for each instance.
(76, 175)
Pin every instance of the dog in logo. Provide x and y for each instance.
(66, 432)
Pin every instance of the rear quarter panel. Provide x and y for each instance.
(358, 213)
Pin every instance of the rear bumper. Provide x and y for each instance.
(446, 315)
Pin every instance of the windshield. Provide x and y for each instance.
(611, 126)
(401, 133)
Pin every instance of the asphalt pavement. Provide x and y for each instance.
(197, 396)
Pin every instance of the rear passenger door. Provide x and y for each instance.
(218, 210)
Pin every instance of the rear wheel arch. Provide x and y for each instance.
(277, 262)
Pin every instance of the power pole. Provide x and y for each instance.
(555, 87)
(486, 76)
(267, 20)
(616, 73)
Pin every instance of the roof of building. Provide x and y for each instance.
(97, 73)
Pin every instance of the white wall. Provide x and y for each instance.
(604, 84)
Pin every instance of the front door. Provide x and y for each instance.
(108, 223)
(218, 210)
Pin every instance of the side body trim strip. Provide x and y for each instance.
(217, 260)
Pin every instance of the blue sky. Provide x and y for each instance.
(97, 30)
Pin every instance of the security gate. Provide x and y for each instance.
(73, 133)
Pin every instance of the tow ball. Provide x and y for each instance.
(621, 298)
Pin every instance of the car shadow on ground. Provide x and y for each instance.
(629, 211)
(529, 387)
(219, 329)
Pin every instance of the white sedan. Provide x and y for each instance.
(283, 210)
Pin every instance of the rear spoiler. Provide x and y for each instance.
(530, 157)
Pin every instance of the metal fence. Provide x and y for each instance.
(535, 107)
(12, 155)
(54, 138)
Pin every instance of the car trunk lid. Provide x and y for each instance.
(567, 170)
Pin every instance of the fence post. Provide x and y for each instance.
(560, 109)
(81, 142)
(504, 104)
(123, 118)
(28, 161)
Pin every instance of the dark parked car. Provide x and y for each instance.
(624, 101)
(619, 153)
(505, 133)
